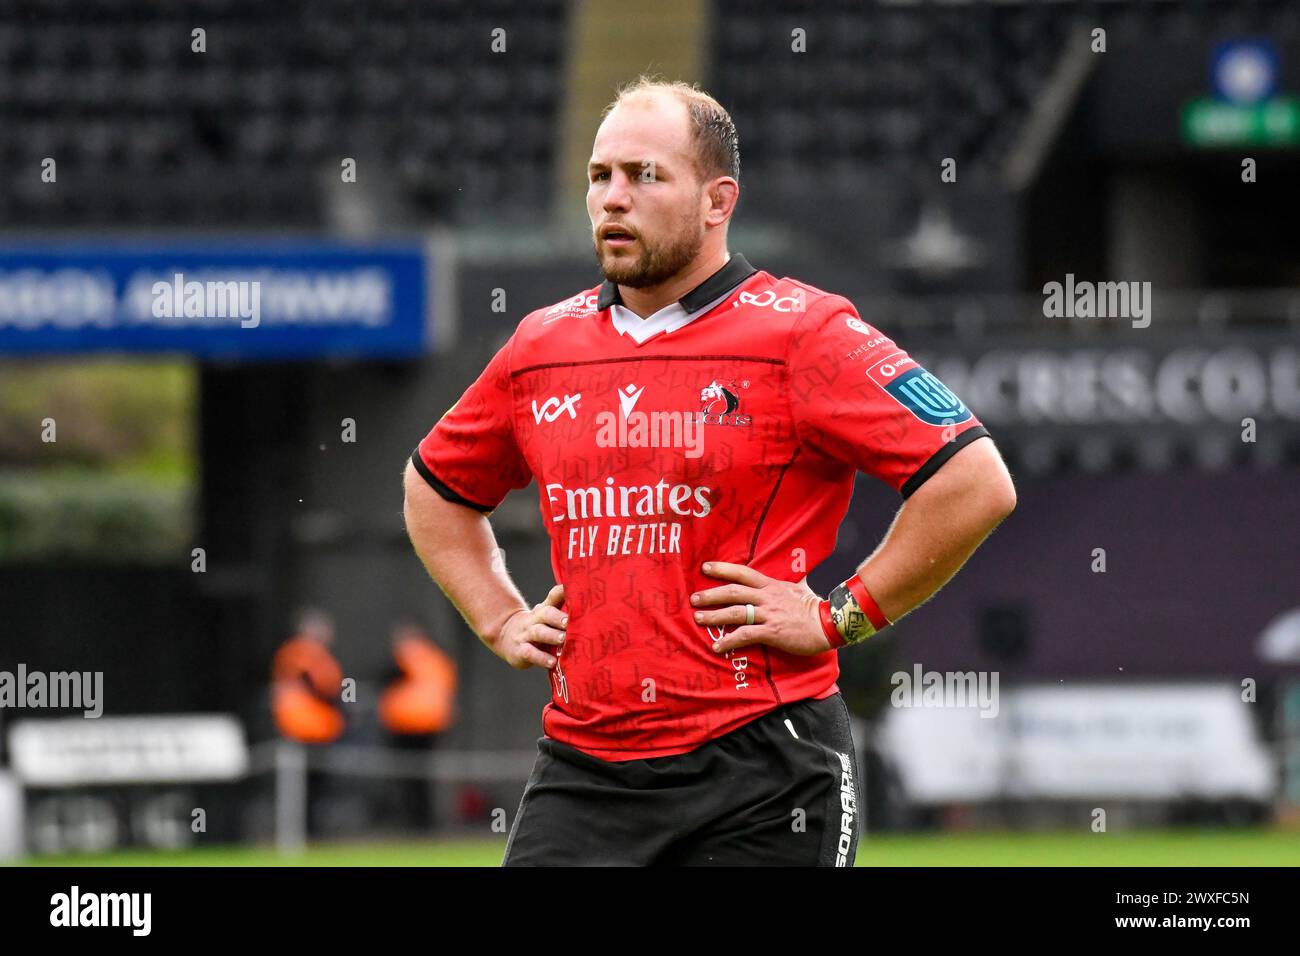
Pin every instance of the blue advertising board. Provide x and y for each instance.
(229, 299)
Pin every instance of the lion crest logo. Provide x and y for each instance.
(717, 399)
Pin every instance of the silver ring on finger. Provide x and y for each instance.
(749, 614)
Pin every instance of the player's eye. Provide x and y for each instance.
(597, 177)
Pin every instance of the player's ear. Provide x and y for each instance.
(723, 194)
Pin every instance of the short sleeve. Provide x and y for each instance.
(470, 456)
(860, 399)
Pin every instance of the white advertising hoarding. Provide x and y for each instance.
(1152, 741)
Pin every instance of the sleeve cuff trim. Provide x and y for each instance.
(438, 485)
(936, 461)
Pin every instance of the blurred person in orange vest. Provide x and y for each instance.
(417, 706)
(306, 681)
(422, 700)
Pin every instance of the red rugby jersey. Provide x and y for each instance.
(735, 437)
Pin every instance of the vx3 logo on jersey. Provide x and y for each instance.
(553, 408)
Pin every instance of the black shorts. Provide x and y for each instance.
(780, 790)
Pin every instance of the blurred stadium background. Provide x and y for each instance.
(406, 181)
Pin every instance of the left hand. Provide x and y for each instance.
(785, 612)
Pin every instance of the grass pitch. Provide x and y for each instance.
(1184, 847)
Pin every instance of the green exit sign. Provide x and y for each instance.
(1274, 122)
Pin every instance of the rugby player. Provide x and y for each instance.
(694, 425)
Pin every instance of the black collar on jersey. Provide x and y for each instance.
(736, 271)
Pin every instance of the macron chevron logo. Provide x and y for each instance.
(628, 397)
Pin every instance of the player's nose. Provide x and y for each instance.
(617, 195)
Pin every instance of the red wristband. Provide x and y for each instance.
(867, 603)
(828, 625)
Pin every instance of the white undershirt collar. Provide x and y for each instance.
(668, 319)
(687, 309)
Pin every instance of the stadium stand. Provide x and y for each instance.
(162, 135)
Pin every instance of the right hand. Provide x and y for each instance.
(523, 631)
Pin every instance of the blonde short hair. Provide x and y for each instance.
(717, 145)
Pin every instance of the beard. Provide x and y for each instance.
(658, 261)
